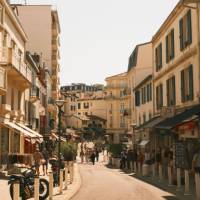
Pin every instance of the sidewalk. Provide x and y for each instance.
(67, 194)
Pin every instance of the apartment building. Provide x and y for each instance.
(15, 80)
(46, 43)
(117, 93)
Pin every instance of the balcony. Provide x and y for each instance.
(2, 81)
(16, 68)
(34, 94)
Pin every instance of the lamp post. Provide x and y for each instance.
(59, 104)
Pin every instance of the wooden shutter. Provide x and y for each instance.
(157, 99)
(161, 94)
(189, 26)
(168, 96)
(160, 54)
(172, 44)
(191, 82)
(167, 49)
(174, 90)
(156, 51)
(181, 33)
(182, 86)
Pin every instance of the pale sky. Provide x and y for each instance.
(99, 35)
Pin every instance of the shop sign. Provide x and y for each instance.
(186, 126)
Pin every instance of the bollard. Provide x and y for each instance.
(36, 188)
(197, 183)
(66, 176)
(169, 176)
(50, 185)
(160, 172)
(61, 182)
(187, 183)
(178, 179)
(16, 190)
(71, 171)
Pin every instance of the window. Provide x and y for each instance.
(137, 98)
(144, 118)
(122, 122)
(150, 115)
(4, 143)
(1, 14)
(159, 96)
(79, 105)
(5, 37)
(169, 46)
(171, 91)
(149, 92)
(158, 54)
(185, 30)
(12, 99)
(19, 99)
(111, 122)
(187, 84)
(72, 108)
(121, 93)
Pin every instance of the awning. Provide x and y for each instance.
(171, 122)
(144, 142)
(28, 136)
(35, 134)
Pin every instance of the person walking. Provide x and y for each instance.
(97, 155)
(45, 161)
(93, 157)
(37, 158)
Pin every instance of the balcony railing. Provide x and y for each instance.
(117, 86)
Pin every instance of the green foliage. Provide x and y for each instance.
(68, 150)
(116, 149)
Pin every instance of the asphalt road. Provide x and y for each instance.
(102, 183)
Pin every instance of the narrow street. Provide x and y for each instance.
(102, 183)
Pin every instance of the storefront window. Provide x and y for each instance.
(4, 147)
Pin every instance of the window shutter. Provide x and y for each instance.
(181, 33)
(160, 64)
(168, 99)
(182, 87)
(156, 51)
(172, 43)
(174, 90)
(167, 49)
(189, 27)
(157, 103)
(161, 95)
(191, 82)
(150, 92)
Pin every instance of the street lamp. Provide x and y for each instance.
(59, 104)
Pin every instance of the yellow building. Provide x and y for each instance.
(118, 110)
(14, 82)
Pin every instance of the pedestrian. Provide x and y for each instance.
(158, 158)
(140, 160)
(196, 169)
(37, 159)
(123, 160)
(45, 161)
(129, 159)
(82, 155)
(135, 158)
(97, 155)
(93, 157)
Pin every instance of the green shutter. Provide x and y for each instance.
(172, 44)
(161, 94)
(189, 26)
(157, 105)
(156, 59)
(167, 89)
(191, 82)
(167, 49)
(182, 87)
(181, 33)
(174, 90)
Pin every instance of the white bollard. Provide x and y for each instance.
(187, 183)
(61, 182)
(36, 188)
(169, 169)
(66, 176)
(178, 179)
(71, 171)
(16, 191)
(160, 172)
(50, 185)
